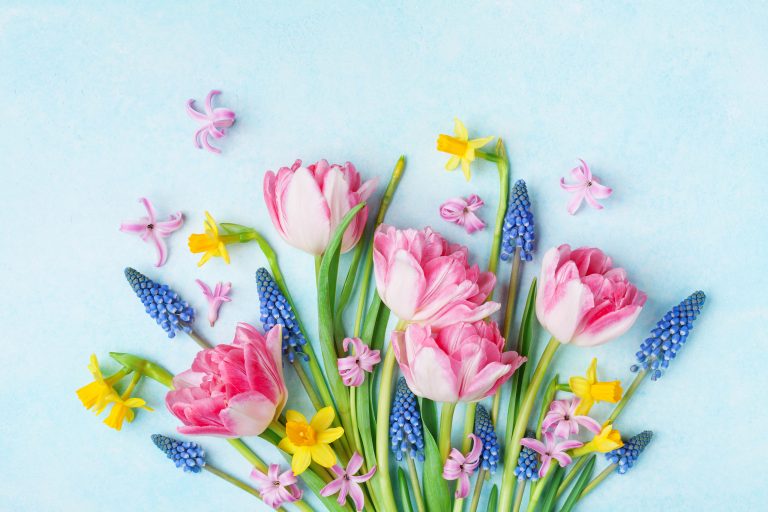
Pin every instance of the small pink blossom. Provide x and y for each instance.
(460, 467)
(215, 298)
(352, 368)
(462, 212)
(347, 483)
(549, 450)
(562, 415)
(277, 488)
(586, 187)
(214, 121)
(152, 230)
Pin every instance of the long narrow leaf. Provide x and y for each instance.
(493, 499)
(549, 496)
(326, 289)
(524, 343)
(428, 414)
(584, 477)
(436, 493)
(405, 497)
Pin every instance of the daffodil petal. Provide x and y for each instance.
(478, 143)
(459, 129)
(295, 416)
(301, 460)
(322, 419)
(287, 446)
(330, 435)
(452, 163)
(465, 168)
(323, 455)
(579, 386)
(592, 371)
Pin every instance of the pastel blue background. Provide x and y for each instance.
(666, 100)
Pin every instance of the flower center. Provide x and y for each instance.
(589, 183)
(451, 145)
(300, 434)
(276, 483)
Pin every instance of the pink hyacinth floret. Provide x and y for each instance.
(352, 368)
(587, 187)
(152, 230)
(460, 467)
(347, 483)
(277, 488)
(214, 122)
(562, 416)
(551, 449)
(462, 212)
(215, 298)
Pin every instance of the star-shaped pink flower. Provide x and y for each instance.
(277, 488)
(460, 467)
(152, 230)
(549, 450)
(352, 368)
(562, 415)
(214, 121)
(347, 483)
(462, 212)
(586, 187)
(215, 298)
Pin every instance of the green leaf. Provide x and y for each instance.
(364, 423)
(524, 343)
(547, 397)
(144, 367)
(405, 496)
(326, 290)
(436, 493)
(493, 499)
(550, 493)
(584, 478)
(349, 285)
(428, 414)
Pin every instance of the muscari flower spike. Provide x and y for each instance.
(518, 230)
(485, 431)
(626, 456)
(405, 429)
(275, 309)
(527, 462)
(185, 455)
(161, 303)
(669, 336)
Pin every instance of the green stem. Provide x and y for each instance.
(318, 262)
(486, 156)
(521, 423)
(549, 395)
(232, 480)
(358, 444)
(503, 166)
(204, 344)
(385, 496)
(301, 374)
(446, 424)
(469, 425)
(131, 386)
(414, 476)
(386, 200)
(598, 480)
(519, 492)
(478, 490)
(625, 399)
(574, 471)
(249, 455)
(509, 316)
(539, 489)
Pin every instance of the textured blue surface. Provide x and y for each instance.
(666, 101)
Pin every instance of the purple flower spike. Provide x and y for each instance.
(214, 122)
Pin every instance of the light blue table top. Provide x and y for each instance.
(666, 102)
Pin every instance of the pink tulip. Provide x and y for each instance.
(232, 390)
(463, 362)
(424, 279)
(582, 299)
(306, 204)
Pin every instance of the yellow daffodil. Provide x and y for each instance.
(210, 242)
(96, 395)
(308, 441)
(123, 410)
(589, 390)
(607, 440)
(462, 149)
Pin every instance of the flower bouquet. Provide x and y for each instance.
(378, 434)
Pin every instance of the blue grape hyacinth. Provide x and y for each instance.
(485, 431)
(527, 462)
(161, 303)
(626, 456)
(669, 336)
(518, 230)
(185, 455)
(275, 309)
(405, 428)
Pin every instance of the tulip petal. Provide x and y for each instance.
(303, 212)
(608, 327)
(248, 414)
